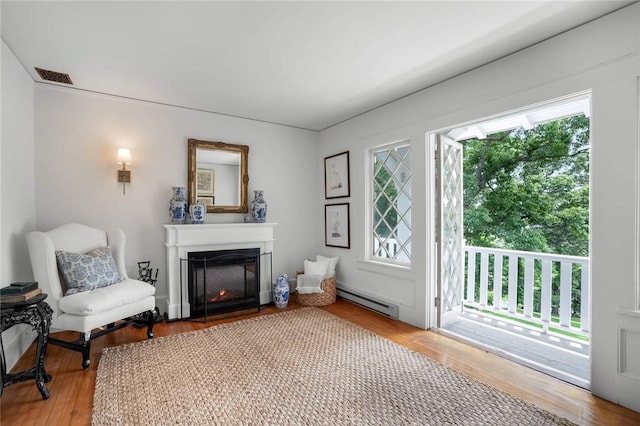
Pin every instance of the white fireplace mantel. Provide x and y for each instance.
(180, 240)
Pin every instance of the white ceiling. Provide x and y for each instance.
(304, 64)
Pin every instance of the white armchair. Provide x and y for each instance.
(106, 307)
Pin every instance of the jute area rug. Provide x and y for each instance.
(300, 367)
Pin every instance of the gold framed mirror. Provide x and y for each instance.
(218, 176)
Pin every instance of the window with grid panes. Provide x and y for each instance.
(391, 203)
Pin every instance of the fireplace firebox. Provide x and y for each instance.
(223, 281)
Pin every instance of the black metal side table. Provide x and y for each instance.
(37, 313)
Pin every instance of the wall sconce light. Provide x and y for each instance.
(124, 158)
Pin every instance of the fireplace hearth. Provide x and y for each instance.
(223, 281)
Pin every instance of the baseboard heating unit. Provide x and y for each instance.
(381, 307)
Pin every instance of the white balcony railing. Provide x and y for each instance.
(548, 289)
(388, 250)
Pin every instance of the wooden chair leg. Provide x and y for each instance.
(151, 320)
(86, 349)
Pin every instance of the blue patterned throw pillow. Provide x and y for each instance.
(84, 272)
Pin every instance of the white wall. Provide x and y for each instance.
(604, 57)
(76, 138)
(17, 211)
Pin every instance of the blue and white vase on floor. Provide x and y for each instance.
(281, 291)
(197, 212)
(258, 207)
(178, 205)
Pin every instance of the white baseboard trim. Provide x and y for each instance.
(16, 341)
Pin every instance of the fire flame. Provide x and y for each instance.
(224, 294)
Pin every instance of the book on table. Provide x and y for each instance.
(20, 297)
(18, 288)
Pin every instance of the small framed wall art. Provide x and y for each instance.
(336, 225)
(336, 176)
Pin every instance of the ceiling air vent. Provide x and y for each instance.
(58, 77)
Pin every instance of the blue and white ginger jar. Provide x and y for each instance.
(281, 291)
(197, 212)
(178, 205)
(259, 207)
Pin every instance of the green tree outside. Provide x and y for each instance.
(384, 190)
(529, 190)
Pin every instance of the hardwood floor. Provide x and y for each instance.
(72, 388)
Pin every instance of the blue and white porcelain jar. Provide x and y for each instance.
(281, 291)
(178, 205)
(259, 207)
(197, 212)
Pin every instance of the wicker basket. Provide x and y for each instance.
(327, 297)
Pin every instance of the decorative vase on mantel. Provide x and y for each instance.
(197, 212)
(178, 205)
(258, 207)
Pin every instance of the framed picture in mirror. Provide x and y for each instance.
(206, 200)
(205, 181)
